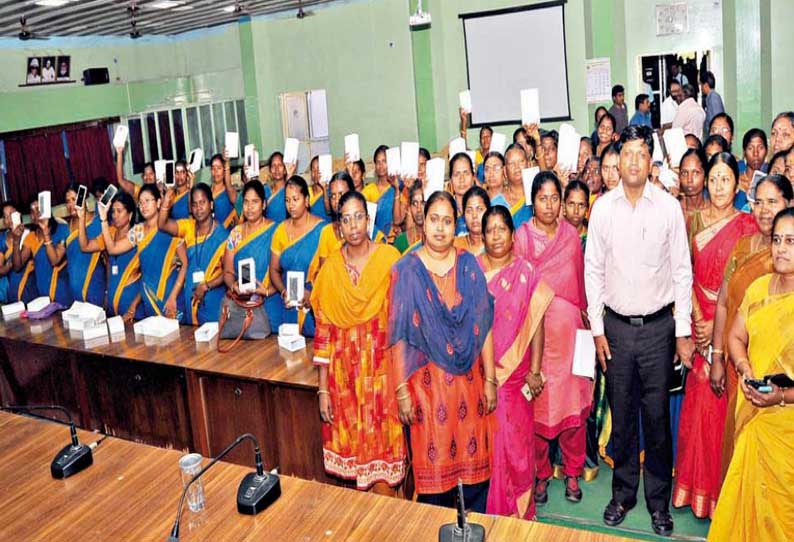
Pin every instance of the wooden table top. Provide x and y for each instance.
(132, 490)
(255, 360)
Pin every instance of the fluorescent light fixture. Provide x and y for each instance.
(183, 8)
(229, 9)
(52, 3)
(167, 4)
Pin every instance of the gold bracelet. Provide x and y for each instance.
(717, 351)
(783, 397)
(406, 395)
(401, 386)
(323, 391)
(492, 380)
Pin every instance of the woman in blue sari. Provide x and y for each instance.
(183, 178)
(87, 273)
(124, 278)
(382, 192)
(276, 209)
(46, 247)
(223, 193)
(21, 283)
(520, 207)
(162, 279)
(205, 240)
(294, 248)
(318, 201)
(251, 238)
(495, 175)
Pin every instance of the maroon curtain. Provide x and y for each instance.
(35, 163)
(90, 154)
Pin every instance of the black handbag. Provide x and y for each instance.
(242, 317)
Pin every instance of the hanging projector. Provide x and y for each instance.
(420, 18)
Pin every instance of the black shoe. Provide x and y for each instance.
(615, 513)
(662, 523)
(573, 495)
(541, 497)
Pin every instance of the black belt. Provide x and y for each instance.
(639, 321)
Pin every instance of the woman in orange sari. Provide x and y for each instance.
(440, 320)
(713, 234)
(362, 437)
(751, 259)
(521, 299)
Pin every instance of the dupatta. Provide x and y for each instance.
(180, 208)
(86, 278)
(429, 330)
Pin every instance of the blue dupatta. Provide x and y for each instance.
(53, 281)
(87, 279)
(205, 256)
(180, 208)
(384, 217)
(298, 256)
(257, 246)
(276, 206)
(225, 213)
(428, 329)
(156, 253)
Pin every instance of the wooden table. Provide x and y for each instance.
(171, 392)
(132, 490)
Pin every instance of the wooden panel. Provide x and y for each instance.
(35, 374)
(233, 407)
(131, 492)
(138, 401)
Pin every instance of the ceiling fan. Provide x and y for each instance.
(25, 33)
(301, 12)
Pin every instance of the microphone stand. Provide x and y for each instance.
(73, 457)
(257, 490)
(462, 530)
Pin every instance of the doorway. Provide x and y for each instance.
(656, 72)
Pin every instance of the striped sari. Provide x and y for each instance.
(87, 273)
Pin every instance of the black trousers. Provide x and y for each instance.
(638, 380)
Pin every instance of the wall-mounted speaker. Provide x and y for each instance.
(96, 76)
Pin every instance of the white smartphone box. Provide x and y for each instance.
(288, 330)
(248, 150)
(464, 98)
(435, 176)
(498, 143)
(352, 150)
(667, 177)
(295, 283)
(409, 159)
(115, 325)
(94, 332)
(38, 327)
(232, 144)
(568, 147)
(757, 177)
(207, 332)
(45, 207)
(159, 170)
(252, 165)
(291, 146)
(12, 309)
(372, 210)
(675, 143)
(584, 354)
(530, 106)
(246, 275)
(156, 326)
(120, 136)
(457, 145)
(292, 343)
(16, 219)
(393, 160)
(108, 195)
(38, 303)
(527, 176)
(196, 160)
(326, 163)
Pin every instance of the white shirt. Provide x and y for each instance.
(637, 258)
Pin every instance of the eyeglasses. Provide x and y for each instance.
(350, 219)
(493, 169)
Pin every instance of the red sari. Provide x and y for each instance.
(700, 431)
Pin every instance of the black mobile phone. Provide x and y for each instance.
(108, 195)
(169, 174)
(756, 383)
(82, 191)
(246, 275)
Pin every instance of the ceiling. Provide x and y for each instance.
(111, 17)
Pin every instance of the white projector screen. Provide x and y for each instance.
(511, 49)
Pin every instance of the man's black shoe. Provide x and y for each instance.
(615, 513)
(662, 523)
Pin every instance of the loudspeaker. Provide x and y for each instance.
(96, 76)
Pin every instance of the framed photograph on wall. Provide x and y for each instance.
(48, 69)
(64, 68)
(33, 71)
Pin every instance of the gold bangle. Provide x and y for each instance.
(717, 351)
(406, 395)
(401, 386)
(782, 397)
(492, 381)
(323, 391)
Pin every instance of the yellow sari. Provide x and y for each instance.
(757, 499)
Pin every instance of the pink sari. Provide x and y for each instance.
(698, 477)
(513, 464)
(566, 399)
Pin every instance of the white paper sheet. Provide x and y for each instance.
(464, 97)
(530, 106)
(326, 163)
(352, 152)
(409, 159)
(393, 160)
(291, 150)
(498, 142)
(584, 354)
(435, 176)
(527, 176)
(457, 145)
(120, 137)
(675, 143)
(232, 144)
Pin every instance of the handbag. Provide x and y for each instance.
(242, 317)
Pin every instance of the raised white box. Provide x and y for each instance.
(292, 343)
(409, 159)
(196, 160)
(45, 204)
(116, 325)
(527, 176)
(326, 164)
(291, 150)
(435, 176)
(12, 309)
(120, 136)
(498, 142)
(568, 148)
(38, 303)
(393, 160)
(207, 332)
(232, 144)
(94, 332)
(288, 330)
(464, 98)
(457, 145)
(352, 152)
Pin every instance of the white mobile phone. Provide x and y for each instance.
(16, 219)
(246, 275)
(108, 195)
(45, 204)
(82, 191)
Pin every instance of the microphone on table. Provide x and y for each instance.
(257, 490)
(462, 530)
(73, 457)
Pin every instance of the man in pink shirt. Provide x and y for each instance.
(638, 280)
(690, 116)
